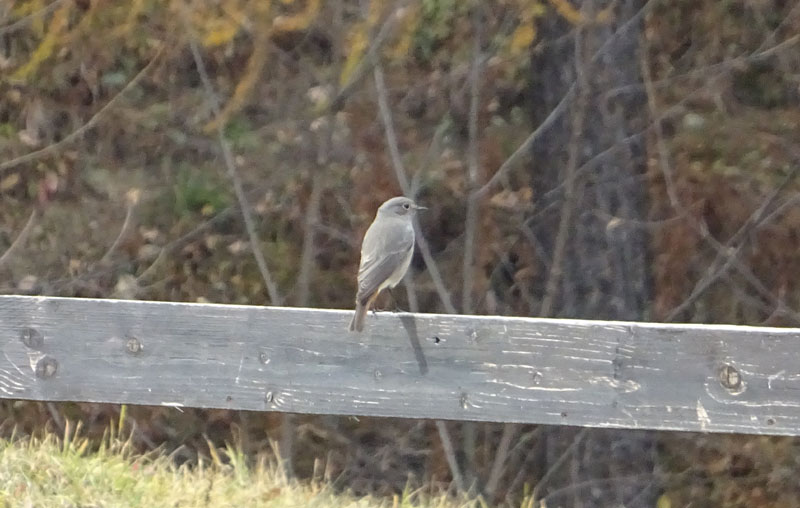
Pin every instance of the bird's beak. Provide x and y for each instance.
(417, 207)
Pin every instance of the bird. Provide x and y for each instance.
(386, 253)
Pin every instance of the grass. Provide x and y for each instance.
(53, 471)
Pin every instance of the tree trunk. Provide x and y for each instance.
(597, 266)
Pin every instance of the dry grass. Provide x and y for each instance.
(52, 471)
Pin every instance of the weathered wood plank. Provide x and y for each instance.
(587, 373)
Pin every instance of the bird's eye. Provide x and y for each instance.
(406, 206)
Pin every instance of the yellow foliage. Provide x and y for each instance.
(356, 45)
(522, 37)
(525, 34)
(604, 16)
(57, 26)
(85, 25)
(9, 182)
(358, 40)
(567, 11)
(219, 31)
(574, 16)
(409, 19)
(135, 7)
(255, 64)
(299, 21)
(30, 9)
(219, 28)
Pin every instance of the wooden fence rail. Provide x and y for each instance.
(712, 378)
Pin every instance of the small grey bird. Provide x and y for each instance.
(385, 254)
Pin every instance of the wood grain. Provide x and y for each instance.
(712, 378)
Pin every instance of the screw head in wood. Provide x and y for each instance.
(31, 337)
(46, 367)
(134, 346)
(730, 377)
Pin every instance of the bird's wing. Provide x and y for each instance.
(386, 246)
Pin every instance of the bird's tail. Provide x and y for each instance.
(357, 323)
(362, 307)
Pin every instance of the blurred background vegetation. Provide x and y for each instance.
(600, 159)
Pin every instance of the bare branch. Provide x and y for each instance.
(596, 482)
(727, 255)
(557, 465)
(30, 17)
(450, 454)
(370, 58)
(88, 125)
(500, 458)
(21, 237)
(556, 113)
(402, 180)
(471, 222)
(241, 198)
(309, 250)
(526, 145)
(570, 200)
(132, 200)
(388, 125)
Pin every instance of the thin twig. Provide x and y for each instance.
(594, 482)
(526, 145)
(241, 198)
(370, 59)
(309, 249)
(56, 416)
(727, 255)
(469, 429)
(556, 113)
(123, 231)
(450, 454)
(558, 463)
(554, 275)
(708, 70)
(69, 138)
(411, 293)
(402, 180)
(676, 108)
(286, 444)
(27, 19)
(444, 296)
(500, 458)
(388, 125)
(21, 237)
(471, 222)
